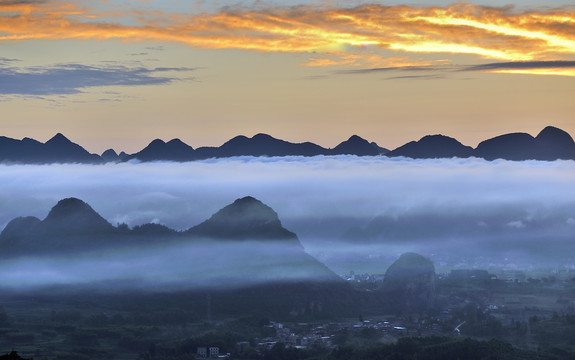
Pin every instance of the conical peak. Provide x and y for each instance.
(249, 208)
(156, 142)
(58, 139)
(19, 226)
(245, 218)
(356, 138)
(262, 136)
(413, 258)
(176, 141)
(409, 265)
(551, 133)
(178, 145)
(69, 206)
(110, 153)
(72, 215)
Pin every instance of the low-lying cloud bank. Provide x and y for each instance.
(386, 205)
(177, 264)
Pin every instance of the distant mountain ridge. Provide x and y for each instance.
(244, 240)
(258, 145)
(58, 149)
(433, 146)
(245, 219)
(550, 144)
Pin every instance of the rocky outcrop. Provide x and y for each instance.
(409, 284)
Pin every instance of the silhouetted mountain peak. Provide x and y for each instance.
(553, 143)
(61, 149)
(553, 133)
(436, 138)
(410, 282)
(110, 152)
(176, 141)
(356, 139)
(28, 140)
(245, 218)
(110, 155)
(256, 140)
(552, 136)
(356, 145)
(156, 142)
(72, 215)
(433, 146)
(178, 145)
(58, 139)
(237, 139)
(174, 149)
(262, 136)
(409, 264)
(512, 146)
(265, 145)
(19, 226)
(247, 209)
(68, 206)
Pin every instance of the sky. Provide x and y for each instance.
(120, 73)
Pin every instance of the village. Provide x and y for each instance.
(328, 335)
(469, 302)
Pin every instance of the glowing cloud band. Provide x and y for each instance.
(489, 33)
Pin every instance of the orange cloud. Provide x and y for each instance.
(369, 59)
(329, 62)
(550, 71)
(490, 33)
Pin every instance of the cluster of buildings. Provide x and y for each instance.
(210, 352)
(303, 335)
(363, 278)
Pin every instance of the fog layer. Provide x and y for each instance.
(183, 264)
(344, 209)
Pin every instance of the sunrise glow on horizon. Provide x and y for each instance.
(118, 74)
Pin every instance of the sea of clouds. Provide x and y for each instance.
(330, 202)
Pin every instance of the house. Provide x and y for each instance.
(208, 352)
(214, 351)
(202, 352)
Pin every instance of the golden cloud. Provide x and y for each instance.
(489, 33)
(549, 71)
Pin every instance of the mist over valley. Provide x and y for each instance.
(352, 213)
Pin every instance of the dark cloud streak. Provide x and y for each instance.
(68, 79)
(434, 71)
(521, 65)
(415, 77)
(394, 68)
